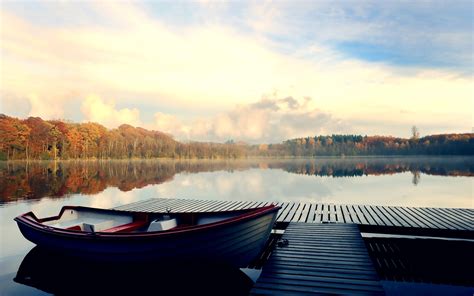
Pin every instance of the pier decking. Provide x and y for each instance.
(326, 253)
(319, 258)
(447, 222)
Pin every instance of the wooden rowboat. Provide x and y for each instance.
(230, 237)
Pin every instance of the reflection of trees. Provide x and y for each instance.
(19, 180)
(416, 177)
(378, 166)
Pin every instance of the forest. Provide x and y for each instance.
(37, 139)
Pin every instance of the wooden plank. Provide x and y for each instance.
(174, 205)
(360, 215)
(353, 214)
(465, 215)
(449, 217)
(468, 212)
(392, 218)
(308, 265)
(466, 222)
(402, 219)
(346, 214)
(250, 204)
(134, 205)
(367, 215)
(311, 213)
(218, 205)
(304, 213)
(435, 217)
(181, 205)
(406, 217)
(202, 207)
(325, 217)
(310, 270)
(339, 218)
(297, 215)
(430, 221)
(317, 281)
(146, 206)
(332, 213)
(292, 212)
(319, 213)
(232, 205)
(441, 216)
(285, 207)
(282, 206)
(381, 218)
(420, 222)
(160, 206)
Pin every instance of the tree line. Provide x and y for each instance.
(357, 145)
(37, 139)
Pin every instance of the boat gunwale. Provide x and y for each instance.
(30, 220)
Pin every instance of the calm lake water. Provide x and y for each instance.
(44, 187)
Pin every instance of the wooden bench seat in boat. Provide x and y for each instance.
(88, 224)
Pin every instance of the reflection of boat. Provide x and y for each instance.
(60, 274)
(229, 237)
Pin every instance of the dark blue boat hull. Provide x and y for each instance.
(235, 244)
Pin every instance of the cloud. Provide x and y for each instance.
(269, 120)
(399, 33)
(95, 109)
(199, 71)
(45, 107)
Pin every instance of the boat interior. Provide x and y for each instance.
(93, 220)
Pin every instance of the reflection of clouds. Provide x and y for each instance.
(112, 197)
(254, 184)
(279, 186)
(224, 185)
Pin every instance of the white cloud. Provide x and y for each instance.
(95, 109)
(45, 107)
(269, 120)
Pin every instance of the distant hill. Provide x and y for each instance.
(35, 138)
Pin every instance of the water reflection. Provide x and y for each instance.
(65, 275)
(416, 177)
(34, 180)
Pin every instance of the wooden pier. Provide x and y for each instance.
(319, 258)
(445, 222)
(326, 253)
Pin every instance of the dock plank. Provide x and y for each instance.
(304, 213)
(367, 215)
(311, 213)
(381, 219)
(301, 268)
(319, 213)
(340, 218)
(346, 214)
(394, 219)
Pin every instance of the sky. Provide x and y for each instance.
(260, 71)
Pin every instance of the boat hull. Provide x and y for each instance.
(236, 243)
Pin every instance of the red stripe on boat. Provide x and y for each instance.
(126, 227)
